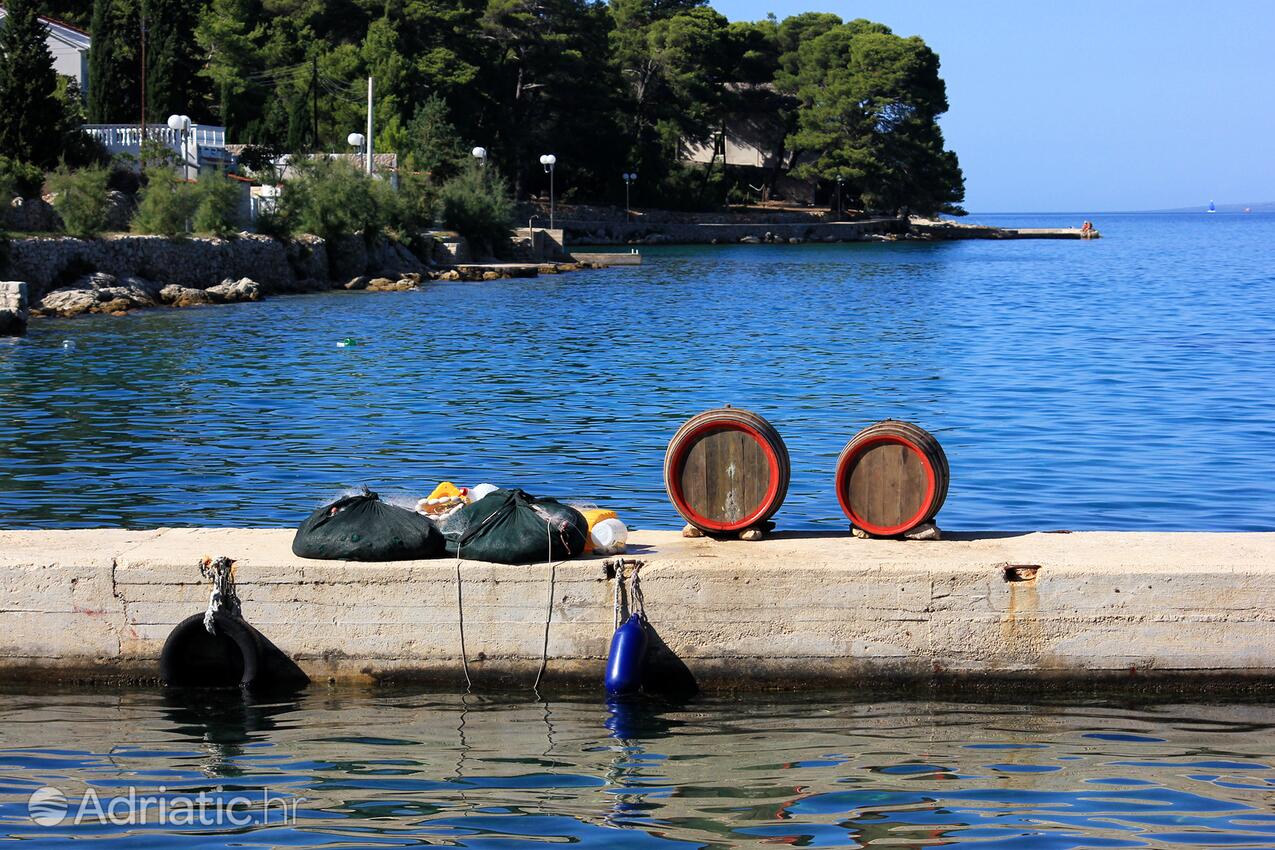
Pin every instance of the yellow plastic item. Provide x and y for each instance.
(446, 490)
(594, 516)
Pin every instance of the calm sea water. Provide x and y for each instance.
(396, 770)
(1126, 383)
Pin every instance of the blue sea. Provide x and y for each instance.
(1123, 383)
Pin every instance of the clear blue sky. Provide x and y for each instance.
(1093, 106)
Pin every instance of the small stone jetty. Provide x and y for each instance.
(13, 307)
(599, 225)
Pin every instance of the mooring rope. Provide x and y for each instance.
(460, 619)
(553, 581)
(553, 577)
(619, 589)
(460, 600)
(223, 597)
(639, 601)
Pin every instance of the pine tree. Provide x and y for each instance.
(30, 113)
(114, 62)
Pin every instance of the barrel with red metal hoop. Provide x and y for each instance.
(726, 470)
(892, 477)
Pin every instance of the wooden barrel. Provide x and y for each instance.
(726, 470)
(892, 477)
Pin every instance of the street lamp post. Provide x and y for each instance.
(840, 180)
(480, 154)
(549, 161)
(356, 140)
(181, 124)
(629, 177)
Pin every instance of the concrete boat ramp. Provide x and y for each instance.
(797, 610)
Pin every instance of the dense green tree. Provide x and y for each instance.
(218, 205)
(30, 112)
(674, 59)
(77, 13)
(115, 89)
(432, 143)
(385, 60)
(173, 61)
(226, 34)
(551, 91)
(637, 65)
(606, 86)
(869, 104)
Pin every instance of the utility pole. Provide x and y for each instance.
(369, 125)
(314, 89)
(142, 137)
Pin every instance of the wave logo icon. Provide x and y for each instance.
(47, 806)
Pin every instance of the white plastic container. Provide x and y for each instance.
(609, 537)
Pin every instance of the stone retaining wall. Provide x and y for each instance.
(795, 610)
(306, 262)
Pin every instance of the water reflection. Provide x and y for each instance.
(392, 768)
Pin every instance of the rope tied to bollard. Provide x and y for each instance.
(616, 568)
(223, 596)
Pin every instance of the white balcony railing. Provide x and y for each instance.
(203, 143)
(125, 137)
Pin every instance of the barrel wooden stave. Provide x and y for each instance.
(892, 477)
(726, 470)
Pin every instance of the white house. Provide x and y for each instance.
(70, 48)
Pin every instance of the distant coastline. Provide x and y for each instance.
(1263, 207)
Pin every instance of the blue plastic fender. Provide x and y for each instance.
(628, 650)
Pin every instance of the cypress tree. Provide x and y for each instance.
(30, 113)
(114, 72)
(172, 59)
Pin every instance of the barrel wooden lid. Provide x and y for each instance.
(892, 477)
(726, 470)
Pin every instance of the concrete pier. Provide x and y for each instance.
(795, 610)
(14, 310)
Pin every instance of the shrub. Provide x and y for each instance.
(258, 158)
(271, 221)
(22, 179)
(156, 154)
(81, 200)
(332, 198)
(692, 187)
(166, 205)
(476, 204)
(124, 174)
(217, 208)
(413, 205)
(80, 150)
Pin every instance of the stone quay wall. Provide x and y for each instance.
(796, 610)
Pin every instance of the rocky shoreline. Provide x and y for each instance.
(65, 276)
